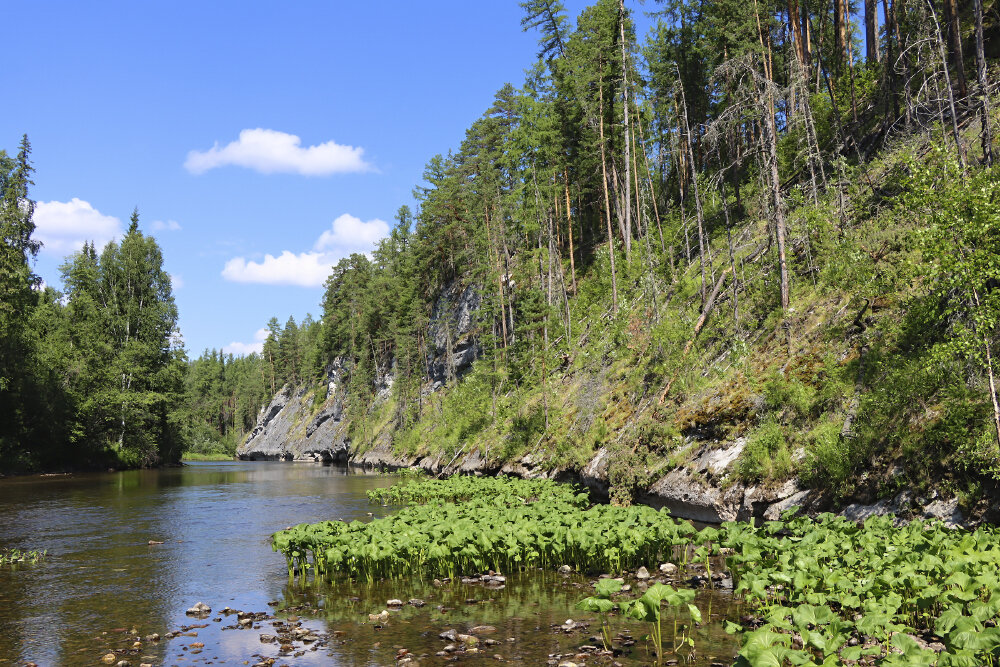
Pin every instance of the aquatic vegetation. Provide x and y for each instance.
(862, 593)
(602, 604)
(824, 591)
(646, 608)
(12, 556)
(449, 539)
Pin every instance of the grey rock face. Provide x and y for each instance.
(287, 430)
(452, 323)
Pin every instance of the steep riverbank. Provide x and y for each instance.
(706, 488)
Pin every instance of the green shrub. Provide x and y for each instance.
(766, 457)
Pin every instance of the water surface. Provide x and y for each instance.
(103, 584)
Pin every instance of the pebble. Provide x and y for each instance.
(668, 568)
(482, 630)
(416, 602)
(109, 658)
(565, 569)
(394, 603)
(198, 609)
(642, 573)
(449, 635)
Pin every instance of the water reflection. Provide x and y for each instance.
(102, 574)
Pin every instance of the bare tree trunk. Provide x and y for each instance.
(984, 89)
(652, 192)
(953, 24)
(947, 80)
(807, 37)
(607, 200)
(795, 27)
(732, 255)
(694, 184)
(993, 386)
(772, 144)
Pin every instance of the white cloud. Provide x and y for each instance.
(255, 347)
(176, 281)
(307, 269)
(63, 227)
(270, 151)
(347, 234)
(165, 226)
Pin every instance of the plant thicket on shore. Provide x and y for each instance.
(823, 591)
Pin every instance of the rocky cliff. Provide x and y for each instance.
(291, 429)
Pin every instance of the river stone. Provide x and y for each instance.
(198, 609)
(109, 658)
(482, 630)
(565, 569)
(642, 573)
(668, 568)
(416, 602)
(449, 635)
(394, 603)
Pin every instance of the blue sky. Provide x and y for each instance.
(124, 101)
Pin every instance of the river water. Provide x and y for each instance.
(103, 585)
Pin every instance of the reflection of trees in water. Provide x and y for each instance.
(99, 574)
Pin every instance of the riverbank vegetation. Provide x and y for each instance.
(808, 591)
(90, 375)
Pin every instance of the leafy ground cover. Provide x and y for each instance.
(823, 591)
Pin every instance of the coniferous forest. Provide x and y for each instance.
(771, 220)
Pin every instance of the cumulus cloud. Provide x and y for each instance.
(271, 151)
(63, 227)
(307, 269)
(256, 347)
(347, 234)
(165, 226)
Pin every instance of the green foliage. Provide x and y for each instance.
(507, 532)
(14, 556)
(831, 580)
(766, 456)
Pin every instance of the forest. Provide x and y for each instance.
(771, 219)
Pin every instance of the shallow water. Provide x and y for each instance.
(103, 584)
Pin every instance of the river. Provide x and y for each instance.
(104, 584)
